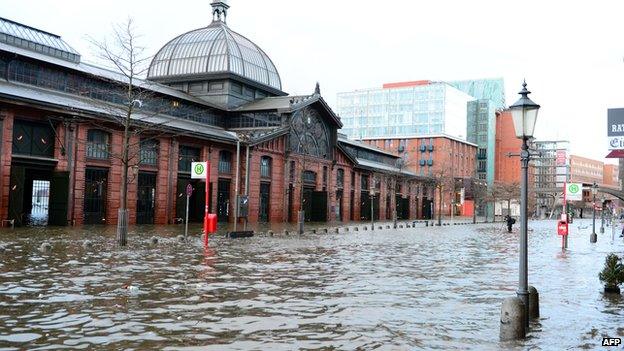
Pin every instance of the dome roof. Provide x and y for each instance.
(212, 50)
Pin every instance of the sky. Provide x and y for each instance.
(571, 53)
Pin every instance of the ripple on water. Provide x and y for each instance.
(401, 289)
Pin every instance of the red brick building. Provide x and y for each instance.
(438, 156)
(225, 106)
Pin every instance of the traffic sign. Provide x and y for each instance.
(189, 190)
(199, 170)
(574, 191)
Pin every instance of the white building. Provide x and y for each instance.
(404, 109)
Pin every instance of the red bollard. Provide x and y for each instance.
(210, 226)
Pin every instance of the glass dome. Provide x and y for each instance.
(210, 50)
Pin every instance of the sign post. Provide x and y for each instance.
(201, 170)
(189, 192)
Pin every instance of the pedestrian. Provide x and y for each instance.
(622, 234)
(510, 222)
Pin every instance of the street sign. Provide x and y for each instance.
(615, 128)
(199, 170)
(574, 191)
(189, 190)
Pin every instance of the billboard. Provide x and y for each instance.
(615, 128)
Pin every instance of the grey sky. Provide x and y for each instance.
(571, 52)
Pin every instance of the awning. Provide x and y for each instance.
(616, 154)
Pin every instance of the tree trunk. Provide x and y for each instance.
(509, 207)
(122, 213)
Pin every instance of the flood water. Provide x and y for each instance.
(423, 288)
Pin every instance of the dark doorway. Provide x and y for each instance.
(365, 206)
(265, 200)
(319, 206)
(223, 200)
(427, 208)
(197, 201)
(339, 209)
(307, 203)
(146, 195)
(389, 207)
(96, 184)
(402, 207)
(352, 206)
(38, 195)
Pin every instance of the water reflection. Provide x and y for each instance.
(405, 289)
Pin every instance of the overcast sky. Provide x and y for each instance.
(570, 52)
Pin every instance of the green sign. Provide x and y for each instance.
(198, 170)
(574, 192)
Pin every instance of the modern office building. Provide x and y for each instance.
(488, 98)
(551, 172)
(404, 109)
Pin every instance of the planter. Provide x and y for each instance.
(612, 290)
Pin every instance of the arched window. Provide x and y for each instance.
(340, 178)
(265, 167)
(309, 134)
(225, 161)
(98, 142)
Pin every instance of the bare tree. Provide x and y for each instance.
(507, 192)
(444, 180)
(131, 106)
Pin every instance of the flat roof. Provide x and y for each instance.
(423, 137)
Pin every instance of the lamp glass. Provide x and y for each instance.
(524, 119)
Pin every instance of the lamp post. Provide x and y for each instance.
(372, 213)
(524, 115)
(602, 211)
(593, 237)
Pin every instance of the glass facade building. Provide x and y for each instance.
(489, 97)
(404, 109)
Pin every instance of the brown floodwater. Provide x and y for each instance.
(416, 288)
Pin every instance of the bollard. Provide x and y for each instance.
(337, 230)
(400, 226)
(427, 224)
(512, 319)
(365, 228)
(270, 233)
(381, 227)
(181, 238)
(387, 227)
(593, 238)
(286, 232)
(324, 230)
(533, 302)
(313, 231)
(355, 229)
(346, 229)
(154, 240)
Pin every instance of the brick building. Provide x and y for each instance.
(212, 95)
(438, 156)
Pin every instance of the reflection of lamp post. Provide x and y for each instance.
(593, 237)
(524, 114)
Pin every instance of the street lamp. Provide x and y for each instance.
(372, 200)
(593, 237)
(602, 211)
(524, 115)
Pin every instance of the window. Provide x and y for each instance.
(33, 139)
(352, 180)
(225, 161)
(292, 171)
(97, 144)
(187, 155)
(364, 182)
(149, 152)
(265, 167)
(340, 178)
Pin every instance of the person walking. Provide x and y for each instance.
(510, 222)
